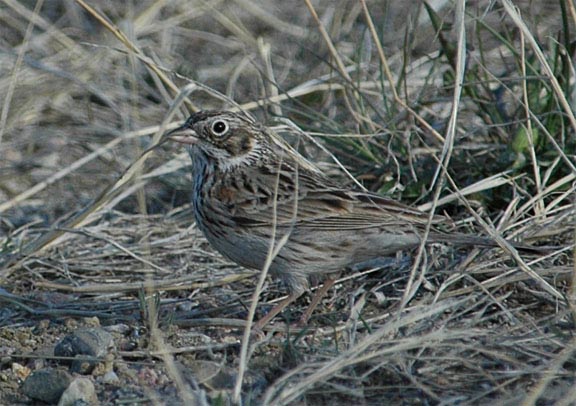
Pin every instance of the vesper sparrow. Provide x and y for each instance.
(250, 185)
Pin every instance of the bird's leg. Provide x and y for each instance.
(320, 293)
(275, 310)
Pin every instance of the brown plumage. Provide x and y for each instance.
(249, 184)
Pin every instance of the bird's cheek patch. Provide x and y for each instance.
(239, 145)
(245, 145)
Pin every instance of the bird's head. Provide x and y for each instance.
(225, 138)
(230, 140)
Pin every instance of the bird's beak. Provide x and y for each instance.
(182, 134)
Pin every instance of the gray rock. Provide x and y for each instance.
(83, 344)
(46, 385)
(93, 341)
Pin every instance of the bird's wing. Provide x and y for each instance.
(343, 209)
(307, 199)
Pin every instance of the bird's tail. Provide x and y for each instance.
(465, 239)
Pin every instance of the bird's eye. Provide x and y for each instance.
(220, 128)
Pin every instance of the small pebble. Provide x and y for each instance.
(119, 328)
(20, 371)
(110, 378)
(81, 391)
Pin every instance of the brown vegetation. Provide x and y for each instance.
(93, 231)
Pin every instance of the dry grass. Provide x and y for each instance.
(465, 111)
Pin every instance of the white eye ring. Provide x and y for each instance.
(220, 128)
